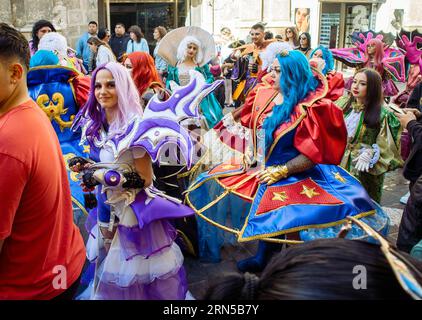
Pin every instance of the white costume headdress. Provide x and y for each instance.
(55, 42)
(269, 54)
(172, 47)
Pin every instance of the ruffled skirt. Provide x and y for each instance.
(141, 264)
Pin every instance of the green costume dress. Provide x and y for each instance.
(387, 137)
(209, 106)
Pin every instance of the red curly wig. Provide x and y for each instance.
(143, 71)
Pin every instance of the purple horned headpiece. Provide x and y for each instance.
(160, 125)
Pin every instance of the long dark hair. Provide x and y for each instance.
(37, 26)
(300, 272)
(373, 100)
(308, 37)
(138, 33)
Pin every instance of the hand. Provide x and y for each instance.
(78, 164)
(405, 118)
(415, 111)
(363, 161)
(317, 63)
(88, 180)
(272, 174)
(305, 24)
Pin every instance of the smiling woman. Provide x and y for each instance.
(141, 260)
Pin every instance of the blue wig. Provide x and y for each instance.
(328, 58)
(43, 58)
(296, 81)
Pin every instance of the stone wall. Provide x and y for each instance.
(70, 17)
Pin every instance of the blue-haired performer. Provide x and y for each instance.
(290, 184)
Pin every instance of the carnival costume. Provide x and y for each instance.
(411, 44)
(57, 43)
(218, 142)
(393, 67)
(60, 92)
(320, 197)
(382, 144)
(245, 80)
(326, 67)
(143, 262)
(172, 48)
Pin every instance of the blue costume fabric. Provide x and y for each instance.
(50, 87)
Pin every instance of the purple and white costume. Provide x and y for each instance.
(143, 261)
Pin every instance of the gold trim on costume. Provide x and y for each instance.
(295, 229)
(302, 110)
(79, 205)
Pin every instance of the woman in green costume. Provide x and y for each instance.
(195, 49)
(373, 146)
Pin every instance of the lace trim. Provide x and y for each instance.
(235, 128)
(352, 121)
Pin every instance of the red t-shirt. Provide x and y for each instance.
(42, 246)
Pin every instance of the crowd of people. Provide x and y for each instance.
(201, 142)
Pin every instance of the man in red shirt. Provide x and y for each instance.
(41, 250)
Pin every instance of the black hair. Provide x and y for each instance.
(321, 269)
(93, 22)
(268, 35)
(373, 101)
(37, 26)
(13, 44)
(102, 33)
(308, 37)
(120, 24)
(258, 26)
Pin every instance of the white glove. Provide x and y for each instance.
(367, 158)
(363, 161)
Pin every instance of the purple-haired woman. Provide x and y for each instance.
(132, 243)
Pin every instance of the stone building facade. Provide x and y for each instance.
(70, 17)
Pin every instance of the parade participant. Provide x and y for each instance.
(291, 37)
(322, 59)
(289, 181)
(373, 144)
(39, 242)
(160, 63)
(414, 58)
(141, 67)
(60, 92)
(57, 43)
(410, 230)
(305, 44)
(39, 29)
(118, 41)
(248, 66)
(191, 48)
(101, 52)
(133, 243)
(137, 41)
(82, 48)
(305, 268)
(218, 142)
(369, 52)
